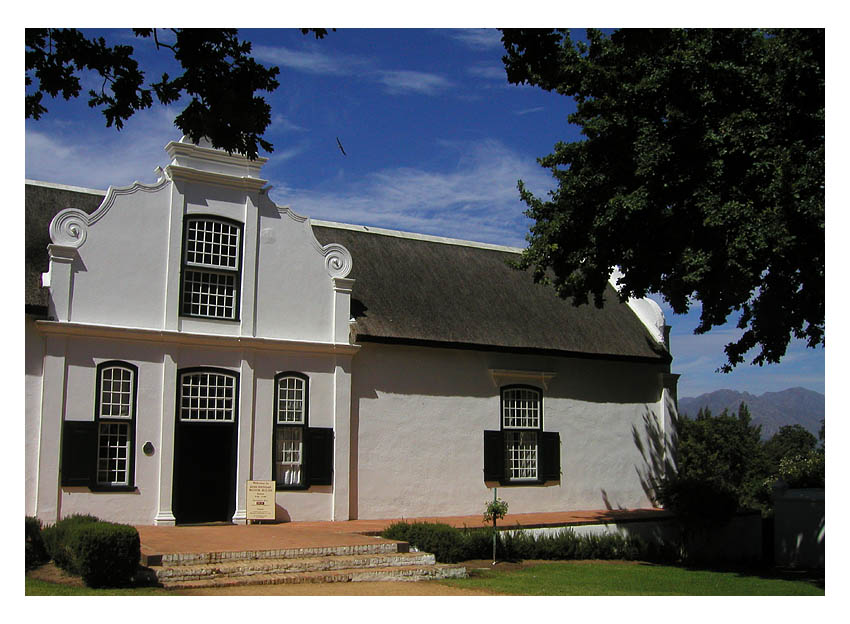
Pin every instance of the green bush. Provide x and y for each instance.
(443, 541)
(105, 554)
(55, 540)
(35, 552)
(803, 471)
(450, 545)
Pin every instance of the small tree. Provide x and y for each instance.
(495, 510)
(721, 468)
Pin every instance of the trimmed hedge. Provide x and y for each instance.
(35, 552)
(443, 541)
(105, 554)
(56, 538)
(450, 545)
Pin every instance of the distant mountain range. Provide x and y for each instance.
(771, 410)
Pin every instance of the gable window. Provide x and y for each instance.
(521, 452)
(302, 455)
(99, 453)
(212, 261)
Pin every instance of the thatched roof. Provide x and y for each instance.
(419, 290)
(42, 203)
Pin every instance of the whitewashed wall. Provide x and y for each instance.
(33, 362)
(419, 416)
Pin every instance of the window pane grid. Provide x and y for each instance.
(521, 455)
(116, 392)
(207, 397)
(521, 409)
(290, 400)
(212, 243)
(209, 294)
(289, 455)
(113, 453)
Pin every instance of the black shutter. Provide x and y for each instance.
(550, 451)
(494, 456)
(79, 452)
(320, 456)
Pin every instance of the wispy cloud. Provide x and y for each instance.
(282, 124)
(489, 71)
(477, 200)
(528, 111)
(311, 61)
(404, 81)
(477, 37)
(102, 156)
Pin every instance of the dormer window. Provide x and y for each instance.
(212, 262)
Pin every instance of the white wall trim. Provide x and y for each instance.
(192, 339)
(501, 376)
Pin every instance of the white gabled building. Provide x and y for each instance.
(185, 337)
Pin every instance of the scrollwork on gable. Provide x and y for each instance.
(338, 260)
(70, 226)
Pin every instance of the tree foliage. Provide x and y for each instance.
(219, 76)
(789, 441)
(700, 175)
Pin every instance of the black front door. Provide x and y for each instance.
(204, 472)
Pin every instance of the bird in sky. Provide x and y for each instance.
(340, 147)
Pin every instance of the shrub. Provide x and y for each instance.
(55, 540)
(803, 471)
(443, 541)
(450, 545)
(35, 552)
(105, 554)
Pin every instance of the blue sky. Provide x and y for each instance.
(435, 138)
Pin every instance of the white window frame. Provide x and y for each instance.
(201, 405)
(291, 407)
(522, 424)
(115, 415)
(210, 281)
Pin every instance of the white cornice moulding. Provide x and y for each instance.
(188, 154)
(188, 174)
(192, 339)
(501, 376)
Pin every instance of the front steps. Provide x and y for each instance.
(385, 561)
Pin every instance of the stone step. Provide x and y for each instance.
(392, 573)
(188, 559)
(292, 565)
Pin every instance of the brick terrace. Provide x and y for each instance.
(289, 535)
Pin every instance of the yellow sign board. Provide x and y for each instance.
(260, 500)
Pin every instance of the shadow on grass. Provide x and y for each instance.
(815, 578)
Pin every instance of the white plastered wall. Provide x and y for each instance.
(419, 416)
(33, 361)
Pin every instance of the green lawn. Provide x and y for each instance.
(630, 579)
(37, 587)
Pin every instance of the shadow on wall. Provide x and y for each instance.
(465, 372)
(655, 447)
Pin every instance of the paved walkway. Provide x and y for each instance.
(222, 538)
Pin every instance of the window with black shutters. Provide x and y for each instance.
(521, 452)
(302, 455)
(100, 454)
